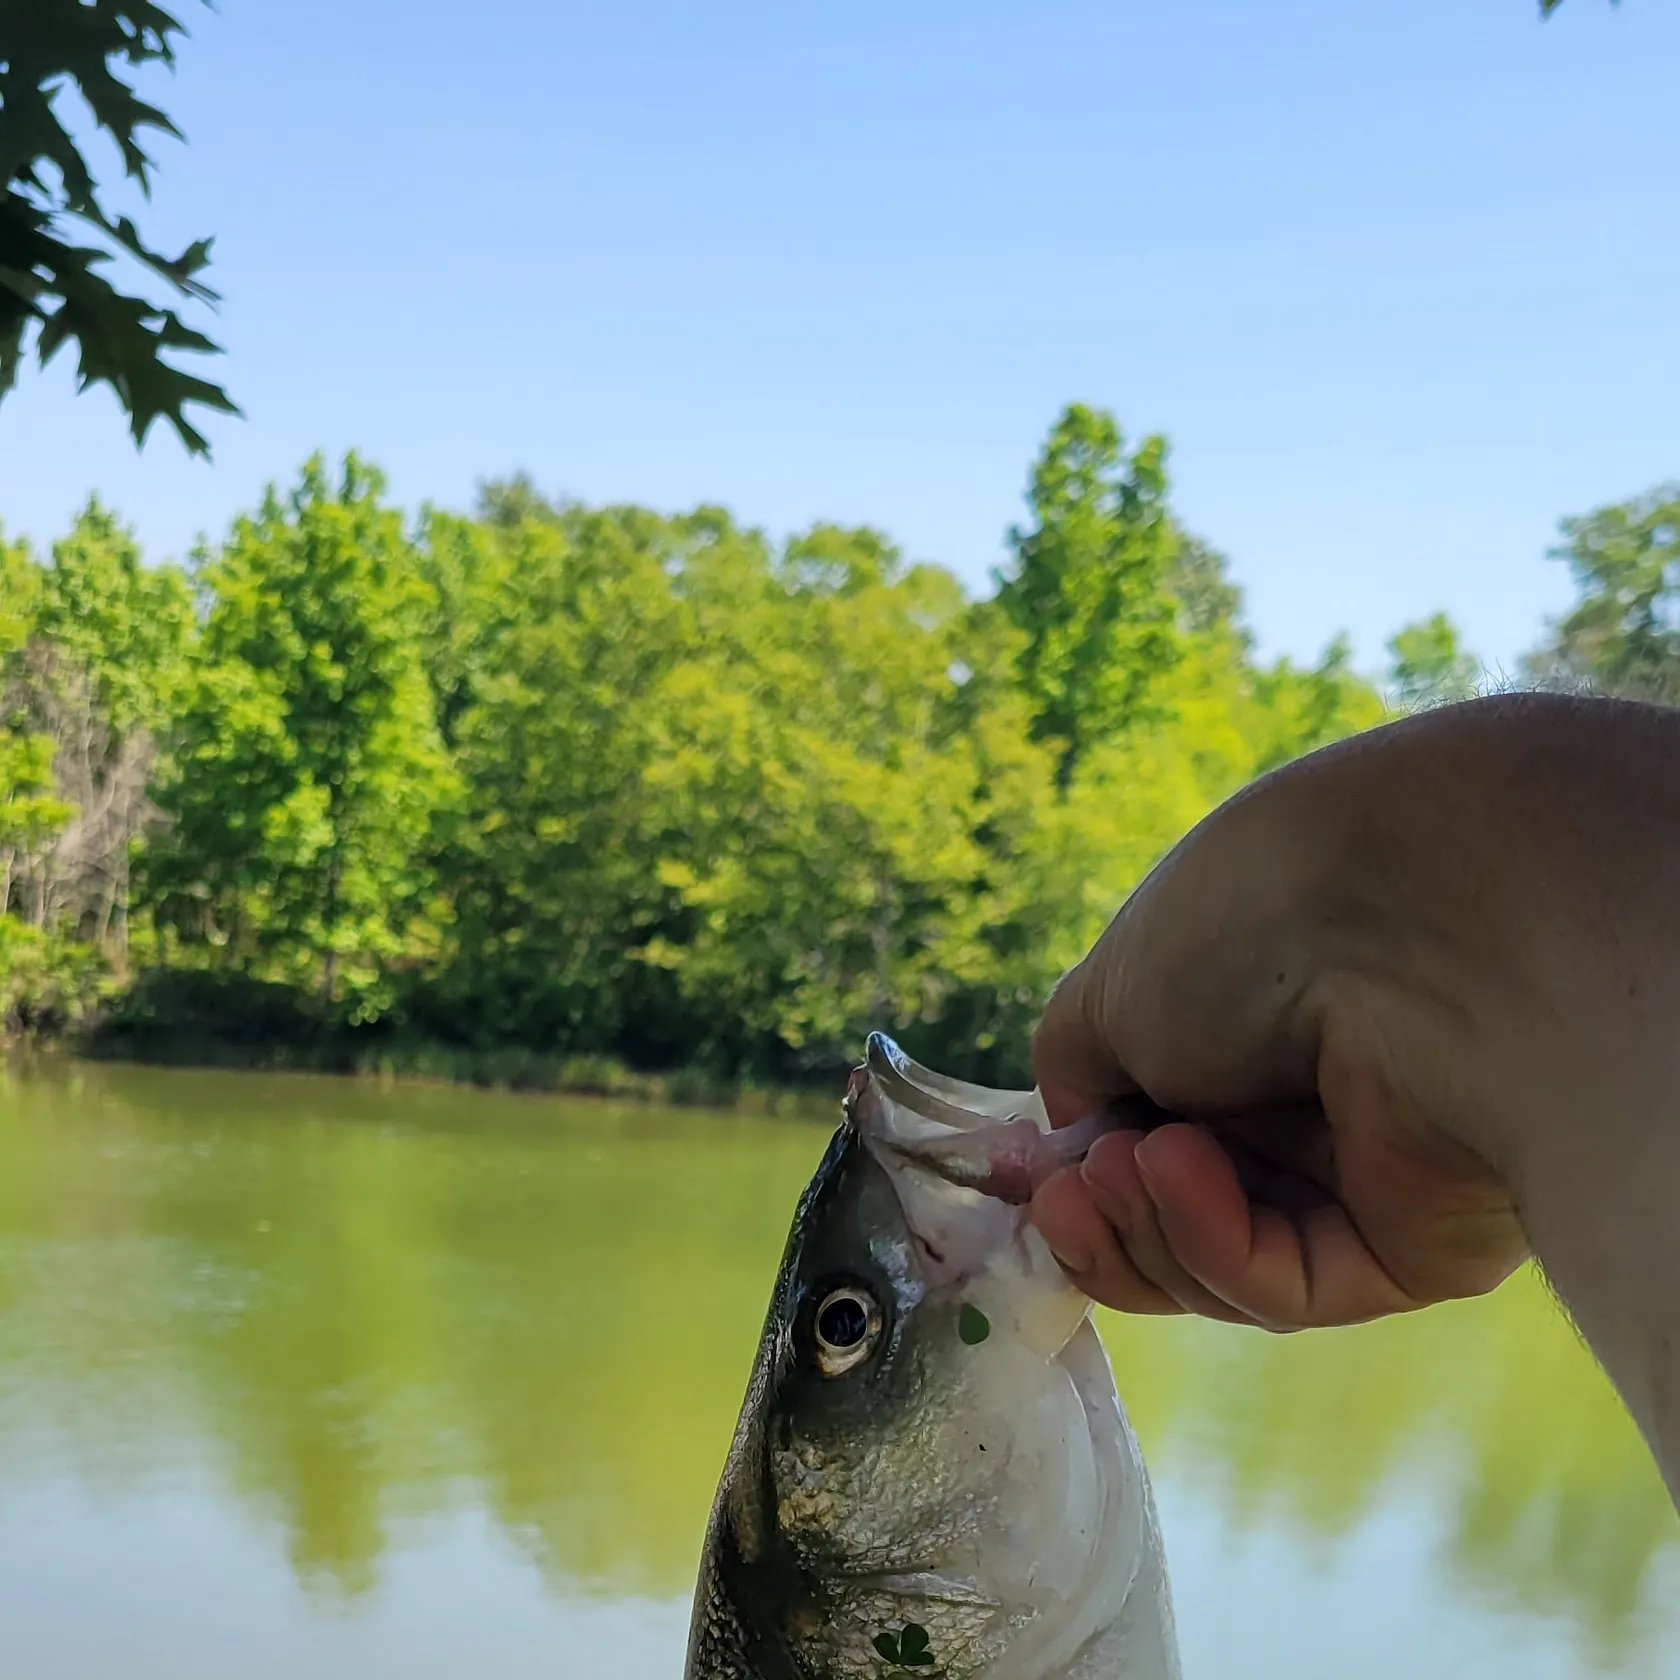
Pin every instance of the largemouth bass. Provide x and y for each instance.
(932, 1474)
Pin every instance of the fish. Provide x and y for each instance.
(932, 1476)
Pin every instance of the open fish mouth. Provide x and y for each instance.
(998, 1143)
(951, 1102)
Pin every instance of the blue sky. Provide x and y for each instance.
(1398, 280)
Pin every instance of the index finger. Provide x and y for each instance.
(1077, 1069)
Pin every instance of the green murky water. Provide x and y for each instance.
(308, 1378)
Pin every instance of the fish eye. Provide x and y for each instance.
(843, 1322)
(847, 1325)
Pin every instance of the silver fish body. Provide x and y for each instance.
(932, 1474)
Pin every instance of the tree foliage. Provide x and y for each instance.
(91, 651)
(1623, 634)
(1428, 665)
(547, 778)
(53, 287)
(1088, 589)
(308, 775)
(563, 630)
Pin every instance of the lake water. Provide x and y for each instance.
(306, 1377)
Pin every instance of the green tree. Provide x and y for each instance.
(1198, 578)
(561, 626)
(126, 624)
(101, 675)
(471, 566)
(1088, 589)
(1299, 710)
(51, 286)
(822, 801)
(1428, 664)
(1623, 634)
(41, 979)
(30, 811)
(308, 773)
(20, 582)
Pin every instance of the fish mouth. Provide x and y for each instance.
(999, 1143)
(959, 1158)
(970, 1136)
(902, 1109)
(937, 1096)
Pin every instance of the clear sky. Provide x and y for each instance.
(1398, 278)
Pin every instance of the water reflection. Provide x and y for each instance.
(364, 1316)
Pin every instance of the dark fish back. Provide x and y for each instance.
(739, 1605)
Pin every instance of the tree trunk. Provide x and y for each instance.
(120, 906)
(1067, 761)
(329, 986)
(102, 925)
(38, 895)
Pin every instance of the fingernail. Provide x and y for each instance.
(1147, 1173)
(1104, 1169)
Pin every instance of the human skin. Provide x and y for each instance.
(1415, 1003)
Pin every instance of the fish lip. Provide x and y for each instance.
(888, 1079)
(895, 1073)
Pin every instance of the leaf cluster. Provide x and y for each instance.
(55, 288)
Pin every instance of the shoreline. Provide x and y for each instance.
(505, 1070)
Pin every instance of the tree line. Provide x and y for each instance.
(582, 781)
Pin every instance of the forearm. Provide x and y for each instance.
(1511, 870)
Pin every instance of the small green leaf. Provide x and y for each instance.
(973, 1325)
(913, 1647)
(887, 1645)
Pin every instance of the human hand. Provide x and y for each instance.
(1413, 999)
(1300, 984)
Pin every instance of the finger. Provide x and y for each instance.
(1111, 1174)
(1076, 1068)
(1085, 1245)
(1285, 1272)
(1294, 1140)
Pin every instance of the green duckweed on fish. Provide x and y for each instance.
(932, 1474)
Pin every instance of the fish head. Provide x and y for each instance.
(925, 1448)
